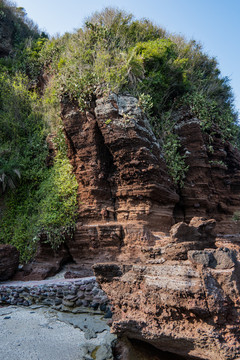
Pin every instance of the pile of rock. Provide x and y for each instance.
(62, 294)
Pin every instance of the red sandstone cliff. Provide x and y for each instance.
(189, 305)
(124, 188)
(211, 187)
(125, 194)
(177, 291)
(173, 286)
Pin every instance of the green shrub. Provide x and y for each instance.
(44, 199)
(236, 216)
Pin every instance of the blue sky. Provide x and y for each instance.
(214, 23)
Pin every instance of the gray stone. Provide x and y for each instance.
(67, 303)
(79, 302)
(225, 258)
(71, 297)
(200, 257)
(58, 301)
(108, 314)
(85, 303)
(80, 294)
(94, 306)
(96, 291)
(89, 287)
(104, 352)
(214, 258)
(48, 302)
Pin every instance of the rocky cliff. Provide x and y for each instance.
(126, 197)
(175, 287)
(211, 187)
(189, 307)
(167, 258)
(124, 188)
(166, 255)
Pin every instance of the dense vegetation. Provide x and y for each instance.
(113, 52)
(37, 198)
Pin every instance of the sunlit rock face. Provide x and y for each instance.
(187, 303)
(176, 287)
(125, 194)
(124, 188)
(167, 258)
(212, 184)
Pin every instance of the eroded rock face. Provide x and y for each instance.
(124, 188)
(178, 291)
(9, 261)
(177, 287)
(188, 305)
(212, 184)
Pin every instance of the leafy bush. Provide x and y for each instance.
(44, 199)
(22, 27)
(57, 209)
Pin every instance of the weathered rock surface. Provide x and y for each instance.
(126, 199)
(177, 308)
(212, 184)
(173, 286)
(124, 188)
(9, 261)
(187, 303)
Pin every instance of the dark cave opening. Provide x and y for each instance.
(132, 349)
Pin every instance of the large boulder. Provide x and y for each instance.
(9, 261)
(47, 262)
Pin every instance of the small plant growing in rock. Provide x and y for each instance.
(145, 102)
(236, 216)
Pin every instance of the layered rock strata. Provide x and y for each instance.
(176, 287)
(124, 188)
(212, 184)
(126, 198)
(187, 303)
